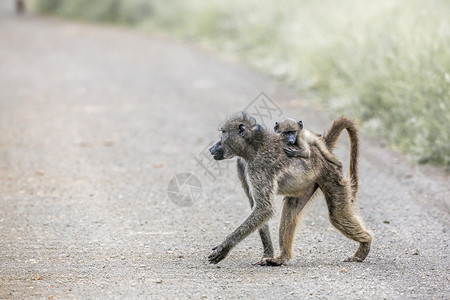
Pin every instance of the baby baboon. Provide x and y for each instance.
(294, 134)
(264, 172)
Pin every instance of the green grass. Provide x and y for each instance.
(385, 63)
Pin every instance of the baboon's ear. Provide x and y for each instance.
(256, 130)
(300, 123)
(276, 126)
(241, 130)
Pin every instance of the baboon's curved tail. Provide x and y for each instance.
(331, 139)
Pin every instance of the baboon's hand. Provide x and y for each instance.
(290, 151)
(353, 259)
(273, 262)
(218, 253)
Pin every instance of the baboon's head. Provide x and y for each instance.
(239, 132)
(288, 128)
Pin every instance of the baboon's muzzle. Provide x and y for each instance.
(290, 138)
(217, 151)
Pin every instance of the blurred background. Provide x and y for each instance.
(385, 63)
(106, 119)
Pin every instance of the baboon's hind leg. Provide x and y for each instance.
(290, 216)
(344, 218)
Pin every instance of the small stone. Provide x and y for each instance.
(170, 252)
(387, 222)
(158, 165)
(344, 270)
(40, 172)
(158, 280)
(122, 257)
(37, 277)
(51, 297)
(415, 252)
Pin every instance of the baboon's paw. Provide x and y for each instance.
(272, 262)
(353, 259)
(218, 253)
(261, 262)
(290, 151)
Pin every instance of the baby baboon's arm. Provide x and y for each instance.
(302, 151)
(292, 152)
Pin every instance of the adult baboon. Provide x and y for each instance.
(265, 171)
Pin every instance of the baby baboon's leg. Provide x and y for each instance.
(344, 218)
(264, 231)
(304, 151)
(328, 155)
(290, 216)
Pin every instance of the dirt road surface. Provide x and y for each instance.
(95, 122)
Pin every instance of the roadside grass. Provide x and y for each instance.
(384, 63)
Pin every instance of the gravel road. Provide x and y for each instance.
(95, 122)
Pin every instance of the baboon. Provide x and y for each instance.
(264, 172)
(294, 134)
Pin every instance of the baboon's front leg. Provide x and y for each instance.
(261, 213)
(264, 231)
(292, 207)
(258, 216)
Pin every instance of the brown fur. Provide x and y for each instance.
(331, 138)
(265, 171)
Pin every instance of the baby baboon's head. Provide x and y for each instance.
(288, 128)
